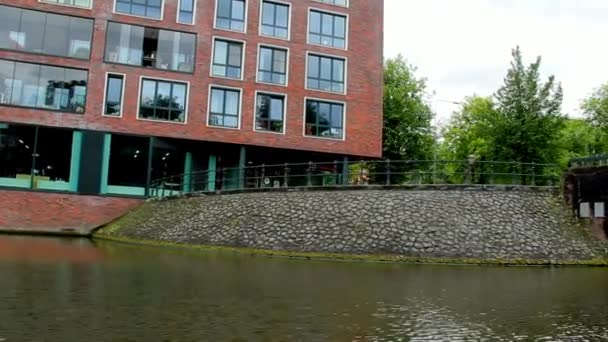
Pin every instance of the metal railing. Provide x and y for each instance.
(599, 160)
(355, 174)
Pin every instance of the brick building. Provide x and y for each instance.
(101, 96)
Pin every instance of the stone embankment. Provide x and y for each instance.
(451, 225)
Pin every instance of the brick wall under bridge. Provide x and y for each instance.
(58, 213)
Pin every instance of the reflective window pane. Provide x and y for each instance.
(45, 33)
(230, 15)
(272, 66)
(114, 89)
(326, 73)
(145, 8)
(327, 29)
(224, 109)
(227, 59)
(324, 119)
(275, 19)
(163, 100)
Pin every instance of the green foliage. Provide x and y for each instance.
(596, 107)
(407, 113)
(581, 138)
(521, 123)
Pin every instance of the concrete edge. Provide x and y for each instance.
(367, 258)
(407, 187)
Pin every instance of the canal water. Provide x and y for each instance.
(76, 290)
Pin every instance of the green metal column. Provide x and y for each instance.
(105, 162)
(75, 160)
(186, 186)
(242, 164)
(211, 173)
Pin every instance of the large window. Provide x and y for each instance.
(143, 8)
(45, 33)
(327, 29)
(275, 19)
(272, 66)
(325, 73)
(128, 166)
(227, 59)
(37, 157)
(224, 108)
(185, 14)
(324, 119)
(114, 93)
(150, 47)
(336, 2)
(270, 113)
(75, 3)
(163, 100)
(230, 15)
(43, 86)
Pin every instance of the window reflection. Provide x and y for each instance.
(150, 47)
(42, 86)
(45, 33)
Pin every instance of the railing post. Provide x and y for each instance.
(336, 177)
(360, 171)
(221, 179)
(533, 182)
(388, 171)
(513, 174)
(470, 164)
(309, 174)
(417, 179)
(286, 176)
(263, 177)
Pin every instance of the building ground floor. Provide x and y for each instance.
(103, 163)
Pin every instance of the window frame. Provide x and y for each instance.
(86, 97)
(257, 65)
(60, 14)
(107, 61)
(152, 78)
(90, 7)
(162, 12)
(334, 4)
(122, 95)
(345, 59)
(245, 22)
(255, 111)
(240, 111)
(179, 4)
(289, 16)
(346, 28)
(243, 52)
(344, 116)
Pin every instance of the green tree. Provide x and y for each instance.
(529, 115)
(596, 107)
(407, 114)
(581, 138)
(470, 131)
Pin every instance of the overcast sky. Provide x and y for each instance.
(463, 47)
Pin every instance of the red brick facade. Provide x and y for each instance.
(363, 129)
(26, 211)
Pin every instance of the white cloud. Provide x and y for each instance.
(463, 47)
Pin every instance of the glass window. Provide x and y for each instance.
(114, 91)
(275, 19)
(272, 66)
(143, 8)
(230, 15)
(76, 3)
(325, 73)
(163, 100)
(186, 11)
(45, 33)
(16, 152)
(324, 119)
(53, 157)
(227, 59)
(269, 114)
(336, 2)
(128, 161)
(45, 87)
(224, 108)
(327, 29)
(149, 47)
